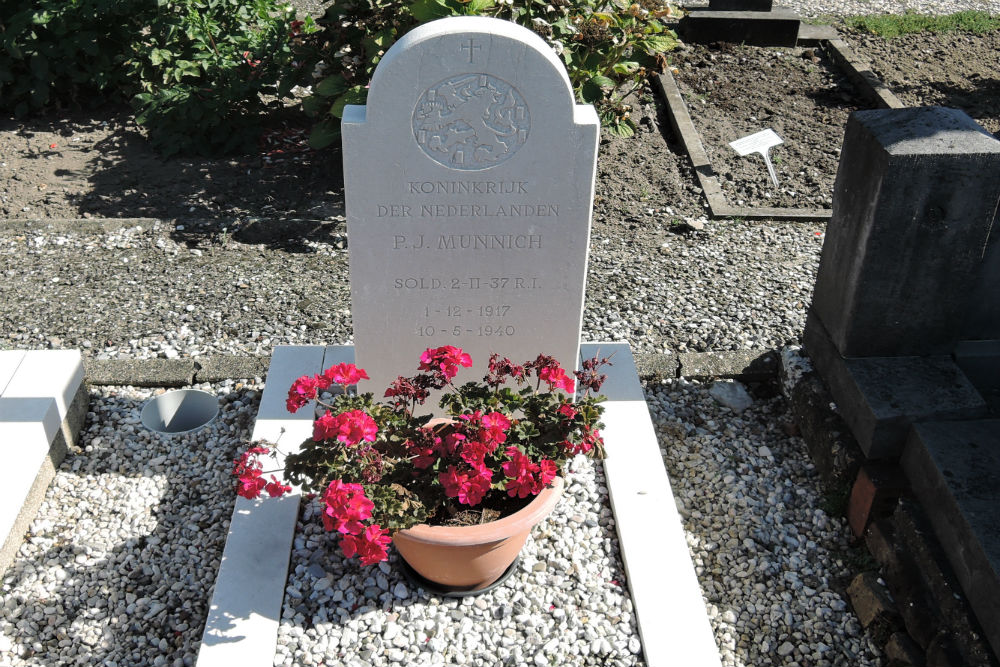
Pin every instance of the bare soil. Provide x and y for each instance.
(956, 69)
(97, 164)
(733, 91)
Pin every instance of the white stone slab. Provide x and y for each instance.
(670, 611)
(27, 428)
(288, 363)
(9, 361)
(242, 623)
(469, 181)
(41, 373)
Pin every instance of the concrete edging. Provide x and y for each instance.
(746, 365)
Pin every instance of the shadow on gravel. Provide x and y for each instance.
(123, 571)
(293, 236)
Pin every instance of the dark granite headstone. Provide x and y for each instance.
(983, 319)
(914, 200)
(778, 27)
(740, 5)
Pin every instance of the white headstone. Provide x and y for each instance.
(469, 185)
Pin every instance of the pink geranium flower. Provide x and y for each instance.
(346, 506)
(556, 378)
(494, 427)
(345, 374)
(369, 545)
(349, 428)
(446, 359)
(303, 390)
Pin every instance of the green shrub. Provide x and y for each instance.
(604, 43)
(895, 25)
(59, 52)
(202, 68)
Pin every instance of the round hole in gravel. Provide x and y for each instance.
(180, 411)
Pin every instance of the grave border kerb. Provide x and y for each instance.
(858, 71)
(746, 365)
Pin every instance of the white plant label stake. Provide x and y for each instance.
(759, 142)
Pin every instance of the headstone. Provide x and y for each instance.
(983, 319)
(469, 184)
(915, 197)
(776, 26)
(741, 5)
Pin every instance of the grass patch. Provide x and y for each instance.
(895, 25)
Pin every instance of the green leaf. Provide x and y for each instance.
(159, 56)
(659, 43)
(591, 93)
(314, 105)
(477, 6)
(428, 10)
(40, 68)
(331, 86)
(324, 133)
(622, 128)
(625, 67)
(356, 95)
(602, 81)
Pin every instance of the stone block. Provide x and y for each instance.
(880, 397)
(745, 365)
(873, 605)
(874, 494)
(982, 322)
(914, 200)
(35, 432)
(880, 538)
(832, 448)
(901, 651)
(778, 27)
(941, 652)
(980, 361)
(740, 5)
(954, 471)
(931, 568)
(657, 366)
(140, 372)
(221, 367)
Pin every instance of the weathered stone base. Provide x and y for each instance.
(935, 617)
(881, 397)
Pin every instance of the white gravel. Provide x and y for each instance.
(118, 565)
(771, 562)
(566, 604)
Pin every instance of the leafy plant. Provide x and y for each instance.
(896, 25)
(380, 467)
(604, 43)
(204, 67)
(55, 52)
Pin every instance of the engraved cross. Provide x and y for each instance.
(472, 47)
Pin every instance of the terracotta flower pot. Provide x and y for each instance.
(469, 558)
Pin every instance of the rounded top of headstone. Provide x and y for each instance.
(467, 45)
(927, 130)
